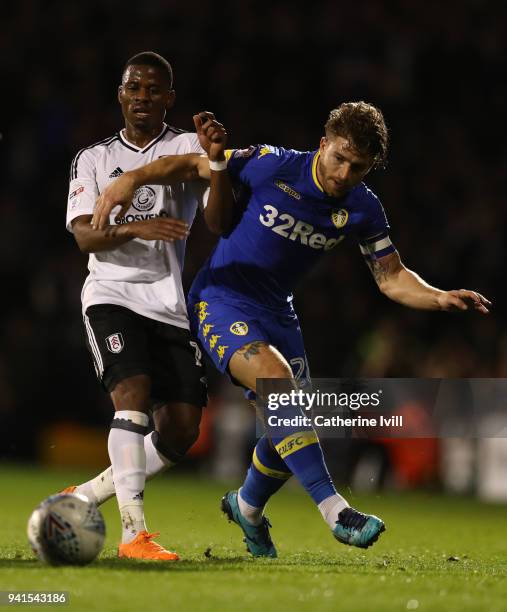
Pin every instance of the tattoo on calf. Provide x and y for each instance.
(251, 349)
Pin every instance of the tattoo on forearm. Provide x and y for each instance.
(380, 270)
(249, 350)
(111, 231)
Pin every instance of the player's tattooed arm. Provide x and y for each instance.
(174, 169)
(92, 240)
(163, 171)
(406, 287)
(380, 268)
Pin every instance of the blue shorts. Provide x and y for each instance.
(222, 327)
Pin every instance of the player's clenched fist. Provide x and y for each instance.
(212, 135)
(161, 228)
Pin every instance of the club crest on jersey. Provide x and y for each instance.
(240, 328)
(144, 198)
(339, 217)
(115, 343)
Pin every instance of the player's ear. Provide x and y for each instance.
(120, 91)
(323, 143)
(171, 99)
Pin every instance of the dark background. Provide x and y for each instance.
(271, 71)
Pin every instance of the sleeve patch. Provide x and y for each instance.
(76, 192)
(240, 153)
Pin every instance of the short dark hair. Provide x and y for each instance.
(150, 58)
(364, 125)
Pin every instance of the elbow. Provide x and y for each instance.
(84, 248)
(217, 225)
(388, 290)
(217, 228)
(84, 245)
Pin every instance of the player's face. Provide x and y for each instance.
(340, 167)
(145, 97)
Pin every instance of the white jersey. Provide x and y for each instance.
(142, 275)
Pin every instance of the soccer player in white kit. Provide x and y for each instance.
(132, 301)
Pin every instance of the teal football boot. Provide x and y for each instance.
(357, 529)
(257, 538)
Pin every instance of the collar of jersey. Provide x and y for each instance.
(315, 180)
(133, 147)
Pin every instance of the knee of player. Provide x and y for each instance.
(186, 434)
(179, 428)
(132, 394)
(277, 369)
(174, 444)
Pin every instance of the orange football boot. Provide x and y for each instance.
(71, 489)
(142, 547)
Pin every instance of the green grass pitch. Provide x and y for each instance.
(438, 554)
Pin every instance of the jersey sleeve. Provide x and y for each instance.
(254, 165)
(83, 190)
(373, 237)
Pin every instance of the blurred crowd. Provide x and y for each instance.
(270, 71)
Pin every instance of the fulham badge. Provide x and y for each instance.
(115, 343)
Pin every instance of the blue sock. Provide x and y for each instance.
(266, 475)
(302, 454)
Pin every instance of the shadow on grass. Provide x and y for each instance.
(408, 565)
(216, 564)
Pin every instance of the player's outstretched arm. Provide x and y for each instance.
(174, 169)
(163, 171)
(406, 287)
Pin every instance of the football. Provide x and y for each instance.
(66, 529)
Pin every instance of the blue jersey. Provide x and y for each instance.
(287, 225)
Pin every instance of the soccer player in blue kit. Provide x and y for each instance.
(298, 205)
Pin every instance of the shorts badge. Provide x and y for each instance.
(240, 328)
(115, 343)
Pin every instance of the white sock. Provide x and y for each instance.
(132, 520)
(101, 488)
(155, 462)
(251, 513)
(128, 460)
(98, 489)
(331, 507)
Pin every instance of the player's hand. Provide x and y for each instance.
(118, 193)
(211, 134)
(463, 299)
(160, 228)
